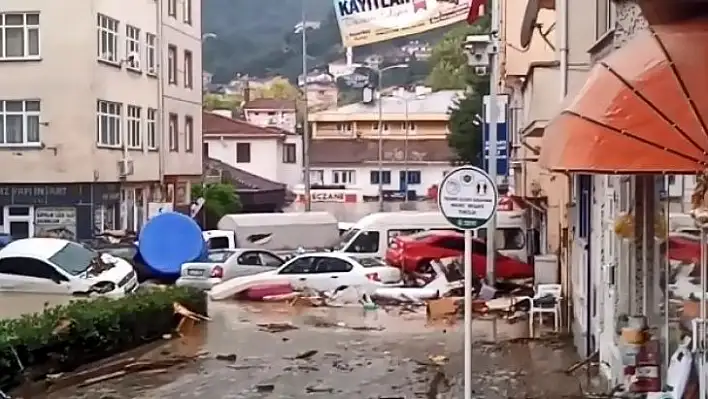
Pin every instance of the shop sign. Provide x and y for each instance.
(328, 196)
(39, 194)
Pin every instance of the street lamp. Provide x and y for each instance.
(305, 115)
(380, 72)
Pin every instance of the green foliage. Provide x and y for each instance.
(213, 101)
(95, 329)
(220, 199)
(466, 132)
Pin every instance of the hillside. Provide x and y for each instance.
(256, 37)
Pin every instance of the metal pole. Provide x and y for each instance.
(468, 314)
(701, 333)
(492, 158)
(380, 157)
(405, 154)
(305, 122)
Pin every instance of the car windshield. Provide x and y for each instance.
(74, 258)
(219, 256)
(371, 262)
(346, 237)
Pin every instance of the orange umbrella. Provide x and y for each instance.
(644, 109)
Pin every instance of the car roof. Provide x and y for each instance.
(333, 254)
(41, 248)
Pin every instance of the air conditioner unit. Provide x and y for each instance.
(125, 167)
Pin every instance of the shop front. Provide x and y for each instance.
(642, 114)
(70, 211)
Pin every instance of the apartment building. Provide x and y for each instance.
(345, 148)
(87, 131)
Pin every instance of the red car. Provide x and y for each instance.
(414, 252)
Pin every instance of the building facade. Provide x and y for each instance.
(348, 158)
(83, 117)
(272, 112)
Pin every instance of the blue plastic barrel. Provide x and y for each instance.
(167, 241)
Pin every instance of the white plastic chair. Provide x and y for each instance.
(543, 290)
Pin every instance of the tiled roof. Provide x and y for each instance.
(240, 178)
(270, 103)
(361, 151)
(215, 125)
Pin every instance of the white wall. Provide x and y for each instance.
(430, 174)
(291, 173)
(286, 120)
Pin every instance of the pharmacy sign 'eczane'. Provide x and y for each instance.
(468, 197)
(364, 22)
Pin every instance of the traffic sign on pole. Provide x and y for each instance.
(468, 197)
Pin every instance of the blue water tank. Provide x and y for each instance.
(167, 241)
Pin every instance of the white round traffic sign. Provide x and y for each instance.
(468, 197)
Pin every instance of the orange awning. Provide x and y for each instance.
(644, 109)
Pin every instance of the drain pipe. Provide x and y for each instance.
(562, 12)
(160, 128)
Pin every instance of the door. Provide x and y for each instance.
(334, 272)
(301, 272)
(28, 275)
(19, 221)
(248, 263)
(403, 182)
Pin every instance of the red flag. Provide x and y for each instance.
(476, 11)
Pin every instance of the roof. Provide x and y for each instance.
(41, 248)
(436, 103)
(366, 150)
(215, 125)
(271, 103)
(277, 219)
(240, 178)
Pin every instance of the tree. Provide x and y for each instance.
(280, 88)
(220, 199)
(466, 131)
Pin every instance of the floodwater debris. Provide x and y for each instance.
(265, 388)
(276, 327)
(319, 388)
(306, 355)
(228, 357)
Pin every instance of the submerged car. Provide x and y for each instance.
(413, 253)
(57, 266)
(225, 264)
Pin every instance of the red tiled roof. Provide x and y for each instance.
(270, 103)
(361, 151)
(222, 126)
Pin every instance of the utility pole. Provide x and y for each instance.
(493, 118)
(305, 122)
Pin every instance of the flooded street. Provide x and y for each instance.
(340, 353)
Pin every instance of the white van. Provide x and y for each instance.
(275, 231)
(373, 233)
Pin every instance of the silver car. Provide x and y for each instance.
(225, 264)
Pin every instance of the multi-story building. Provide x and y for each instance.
(93, 118)
(272, 112)
(345, 150)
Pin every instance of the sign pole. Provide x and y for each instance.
(468, 314)
(468, 199)
(493, 124)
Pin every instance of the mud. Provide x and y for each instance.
(343, 353)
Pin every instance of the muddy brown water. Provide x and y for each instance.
(349, 363)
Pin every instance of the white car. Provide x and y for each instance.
(56, 266)
(225, 264)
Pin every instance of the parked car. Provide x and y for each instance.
(57, 266)
(322, 271)
(225, 264)
(414, 253)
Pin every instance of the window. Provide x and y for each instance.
(268, 259)
(188, 70)
(108, 115)
(250, 258)
(366, 242)
(301, 265)
(385, 177)
(343, 177)
(151, 53)
(344, 127)
(151, 129)
(451, 243)
(134, 133)
(219, 256)
(411, 127)
(413, 176)
(19, 122)
(172, 8)
(289, 153)
(132, 47)
(243, 152)
(605, 17)
(172, 64)
(188, 134)
(173, 124)
(29, 267)
(317, 177)
(107, 39)
(392, 234)
(74, 258)
(332, 265)
(385, 126)
(19, 32)
(187, 11)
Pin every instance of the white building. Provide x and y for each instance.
(272, 112)
(100, 100)
(273, 154)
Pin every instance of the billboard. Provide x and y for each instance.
(370, 21)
